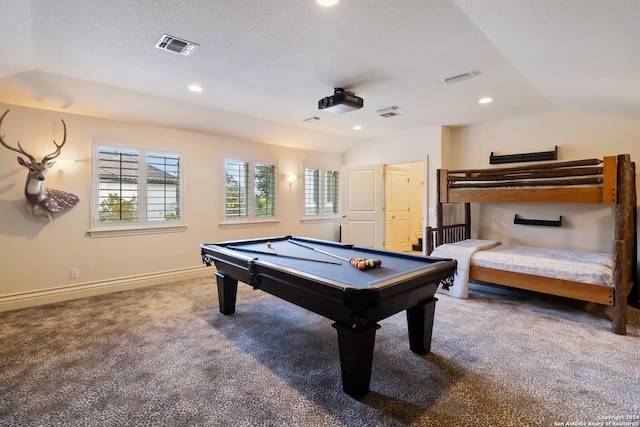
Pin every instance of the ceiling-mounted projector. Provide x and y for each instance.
(342, 101)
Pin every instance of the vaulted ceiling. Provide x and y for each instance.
(263, 65)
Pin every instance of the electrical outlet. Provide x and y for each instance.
(73, 273)
(432, 211)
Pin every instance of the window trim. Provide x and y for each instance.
(321, 216)
(142, 226)
(252, 219)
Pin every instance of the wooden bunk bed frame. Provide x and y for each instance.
(608, 181)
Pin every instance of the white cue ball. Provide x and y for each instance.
(268, 244)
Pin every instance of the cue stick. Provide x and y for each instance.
(319, 250)
(360, 264)
(282, 255)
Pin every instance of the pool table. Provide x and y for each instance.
(319, 277)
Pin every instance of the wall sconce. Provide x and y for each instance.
(64, 164)
(291, 177)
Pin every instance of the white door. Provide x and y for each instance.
(363, 205)
(397, 217)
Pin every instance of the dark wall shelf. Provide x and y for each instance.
(543, 222)
(524, 157)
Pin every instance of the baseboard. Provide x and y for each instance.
(82, 290)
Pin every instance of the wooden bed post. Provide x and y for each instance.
(634, 295)
(623, 244)
(439, 214)
(619, 325)
(467, 220)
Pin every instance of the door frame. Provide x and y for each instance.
(425, 191)
(424, 159)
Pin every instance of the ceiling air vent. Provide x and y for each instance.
(388, 112)
(176, 45)
(459, 78)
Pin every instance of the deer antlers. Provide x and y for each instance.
(56, 153)
(20, 150)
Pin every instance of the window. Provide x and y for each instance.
(118, 186)
(265, 189)
(163, 187)
(250, 190)
(321, 192)
(136, 187)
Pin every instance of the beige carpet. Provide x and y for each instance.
(165, 356)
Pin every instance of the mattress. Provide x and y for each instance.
(585, 267)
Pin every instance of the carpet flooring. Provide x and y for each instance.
(165, 356)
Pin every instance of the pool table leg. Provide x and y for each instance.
(420, 323)
(227, 290)
(356, 358)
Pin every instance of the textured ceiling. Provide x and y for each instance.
(264, 64)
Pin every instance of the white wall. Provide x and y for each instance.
(36, 256)
(578, 136)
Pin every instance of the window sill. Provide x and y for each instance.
(134, 231)
(311, 220)
(249, 223)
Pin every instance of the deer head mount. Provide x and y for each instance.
(42, 202)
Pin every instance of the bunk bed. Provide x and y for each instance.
(608, 181)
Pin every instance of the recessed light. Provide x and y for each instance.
(195, 88)
(357, 127)
(485, 100)
(327, 2)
